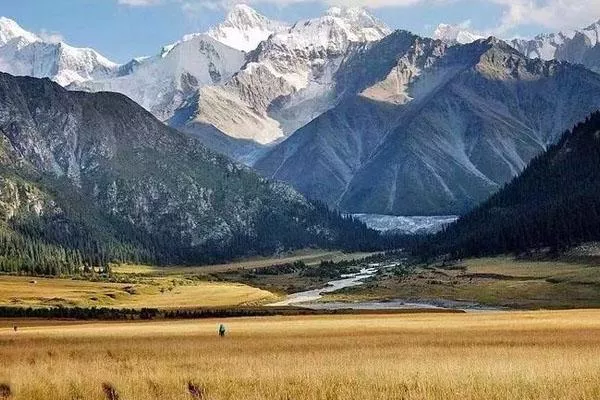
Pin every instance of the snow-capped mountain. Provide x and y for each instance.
(166, 82)
(453, 34)
(24, 53)
(289, 79)
(244, 28)
(169, 81)
(344, 109)
(578, 46)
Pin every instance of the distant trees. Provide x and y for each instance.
(93, 313)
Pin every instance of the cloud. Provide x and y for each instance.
(551, 14)
(548, 14)
(51, 36)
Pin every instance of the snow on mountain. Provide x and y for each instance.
(165, 82)
(244, 28)
(10, 30)
(334, 31)
(290, 78)
(170, 80)
(578, 46)
(453, 34)
(24, 53)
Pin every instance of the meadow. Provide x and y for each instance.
(158, 292)
(516, 355)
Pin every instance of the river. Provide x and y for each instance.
(310, 298)
(346, 281)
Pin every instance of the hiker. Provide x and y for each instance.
(222, 330)
(15, 328)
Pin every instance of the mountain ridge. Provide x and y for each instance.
(464, 120)
(24, 53)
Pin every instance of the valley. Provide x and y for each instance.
(324, 281)
(309, 204)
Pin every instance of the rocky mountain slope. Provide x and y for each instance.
(24, 53)
(554, 203)
(432, 129)
(350, 114)
(97, 175)
(249, 78)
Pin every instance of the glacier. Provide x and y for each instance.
(406, 225)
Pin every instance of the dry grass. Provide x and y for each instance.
(309, 257)
(529, 355)
(159, 293)
(533, 269)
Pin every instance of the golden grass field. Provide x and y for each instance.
(164, 293)
(518, 355)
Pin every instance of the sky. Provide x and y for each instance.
(123, 29)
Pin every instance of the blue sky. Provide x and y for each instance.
(122, 29)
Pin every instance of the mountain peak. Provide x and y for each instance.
(244, 16)
(593, 26)
(455, 34)
(244, 28)
(359, 17)
(500, 61)
(339, 26)
(9, 30)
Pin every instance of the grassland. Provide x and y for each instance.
(519, 355)
(502, 281)
(165, 293)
